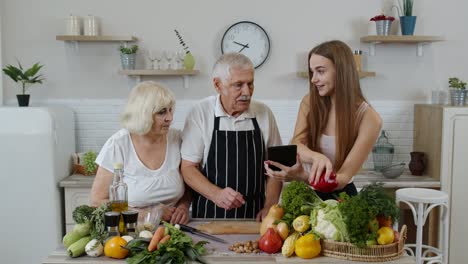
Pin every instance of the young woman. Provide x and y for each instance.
(335, 128)
(150, 153)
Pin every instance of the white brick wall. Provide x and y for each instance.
(96, 120)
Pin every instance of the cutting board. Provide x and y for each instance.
(230, 227)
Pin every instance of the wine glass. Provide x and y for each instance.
(154, 56)
(180, 58)
(169, 55)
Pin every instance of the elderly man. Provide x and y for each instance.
(224, 143)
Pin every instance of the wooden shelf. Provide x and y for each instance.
(183, 73)
(81, 38)
(400, 39)
(419, 40)
(362, 74)
(159, 72)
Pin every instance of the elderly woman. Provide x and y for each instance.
(150, 153)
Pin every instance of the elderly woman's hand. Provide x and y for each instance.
(180, 215)
(296, 172)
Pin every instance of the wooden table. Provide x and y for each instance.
(60, 257)
(217, 253)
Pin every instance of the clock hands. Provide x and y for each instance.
(243, 45)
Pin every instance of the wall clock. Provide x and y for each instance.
(249, 39)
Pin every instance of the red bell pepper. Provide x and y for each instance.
(325, 186)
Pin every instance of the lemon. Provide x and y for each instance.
(301, 223)
(385, 236)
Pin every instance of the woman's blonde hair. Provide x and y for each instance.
(348, 97)
(144, 100)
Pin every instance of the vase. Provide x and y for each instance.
(383, 27)
(407, 24)
(23, 99)
(189, 61)
(128, 61)
(417, 164)
(457, 97)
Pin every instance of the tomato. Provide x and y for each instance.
(384, 221)
(270, 242)
(397, 236)
(114, 248)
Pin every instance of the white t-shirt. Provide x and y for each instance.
(199, 125)
(145, 186)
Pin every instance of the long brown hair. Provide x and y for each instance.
(348, 96)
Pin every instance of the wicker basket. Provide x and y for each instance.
(80, 169)
(378, 253)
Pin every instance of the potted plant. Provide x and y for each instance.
(189, 60)
(407, 20)
(25, 77)
(457, 91)
(383, 24)
(128, 56)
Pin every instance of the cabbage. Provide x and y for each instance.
(327, 221)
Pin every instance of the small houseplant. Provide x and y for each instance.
(128, 56)
(457, 91)
(407, 20)
(383, 24)
(189, 60)
(25, 77)
(85, 163)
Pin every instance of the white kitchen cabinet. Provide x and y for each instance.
(77, 189)
(442, 133)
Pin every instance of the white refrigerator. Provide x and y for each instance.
(36, 144)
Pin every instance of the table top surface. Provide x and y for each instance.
(217, 253)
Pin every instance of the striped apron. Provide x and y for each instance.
(235, 159)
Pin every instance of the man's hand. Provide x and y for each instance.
(167, 213)
(262, 214)
(180, 215)
(228, 198)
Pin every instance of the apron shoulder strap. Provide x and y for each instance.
(216, 123)
(255, 123)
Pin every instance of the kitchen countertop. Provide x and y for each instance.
(363, 178)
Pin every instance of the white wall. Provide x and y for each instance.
(1, 60)
(90, 71)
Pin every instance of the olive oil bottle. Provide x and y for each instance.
(118, 194)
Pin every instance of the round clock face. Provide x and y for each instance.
(249, 39)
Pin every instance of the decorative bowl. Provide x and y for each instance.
(393, 171)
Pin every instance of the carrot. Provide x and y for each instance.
(156, 238)
(164, 240)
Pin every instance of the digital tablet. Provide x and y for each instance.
(285, 155)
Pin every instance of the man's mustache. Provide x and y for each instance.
(244, 98)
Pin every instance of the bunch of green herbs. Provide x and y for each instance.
(98, 227)
(177, 250)
(297, 195)
(380, 201)
(358, 217)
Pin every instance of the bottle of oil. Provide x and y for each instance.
(118, 194)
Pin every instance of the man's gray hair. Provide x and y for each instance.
(222, 67)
